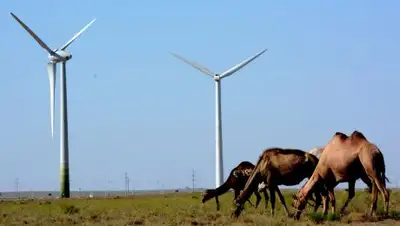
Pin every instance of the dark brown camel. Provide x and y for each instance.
(346, 159)
(278, 166)
(236, 180)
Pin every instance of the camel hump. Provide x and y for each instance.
(245, 164)
(341, 135)
(285, 151)
(243, 169)
(358, 135)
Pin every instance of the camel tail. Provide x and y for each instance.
(383, 173)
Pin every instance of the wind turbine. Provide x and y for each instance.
(58, 56)
(219, 174)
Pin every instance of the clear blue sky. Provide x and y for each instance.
(331, 66)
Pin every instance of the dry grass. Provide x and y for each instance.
(178, 209)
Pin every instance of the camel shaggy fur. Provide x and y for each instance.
(279, 166)
(346, 159)
(236, 180)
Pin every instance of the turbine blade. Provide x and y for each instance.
(195, 65)
(77, 35)
(51, 69)
(241, 65)
(38, 40)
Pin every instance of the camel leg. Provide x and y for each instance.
(249, 201)
(331, 195)
(375, 175)
(313, 202)
(374, 199)
(325, 202)
(258, 196)
(350, 195)
(318, 200)
(304, 193)
(368, 182)
(282, 201)
(272, 200)
(217, 202)
(379, 182)
(266, 198)
(236, 194)
(321, 197)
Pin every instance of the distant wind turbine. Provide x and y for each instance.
(219, 177)
(58, 56)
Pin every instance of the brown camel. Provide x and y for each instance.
(346, 159)
(319, 150)
(236, 180)
(278, 166)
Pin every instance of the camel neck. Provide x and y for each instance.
(223, 188)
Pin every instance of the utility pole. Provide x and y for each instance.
(193, 180)
(126, 184)
(109, 189)
(16, 183)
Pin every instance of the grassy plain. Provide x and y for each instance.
(180, 209)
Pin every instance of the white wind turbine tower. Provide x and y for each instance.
(58, 56)
(219, 174)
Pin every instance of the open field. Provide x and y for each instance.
(178, 209)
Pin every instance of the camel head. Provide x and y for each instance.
(208, 194)
(299, 203)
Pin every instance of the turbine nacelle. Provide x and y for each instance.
(216, 77)
(60, 56)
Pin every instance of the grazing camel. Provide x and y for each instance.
(319, 150)
(346, 159)
(236, 180)
(278, 166)
(315, 151)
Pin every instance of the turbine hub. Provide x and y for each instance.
(216, 77)
(60, 56)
